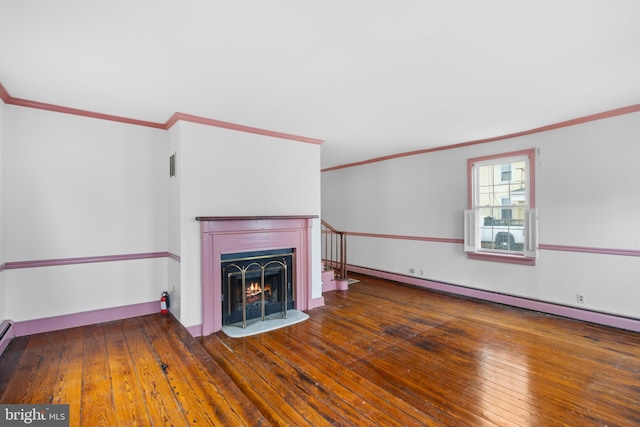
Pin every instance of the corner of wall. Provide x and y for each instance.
(173, 222)
(3, 298)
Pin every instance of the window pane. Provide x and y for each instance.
(509, 230)
(493, 188)
(501, 205)
(505, 174)
(487, 220)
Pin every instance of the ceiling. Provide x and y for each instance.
(369, 77)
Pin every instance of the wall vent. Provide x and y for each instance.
(172, 165)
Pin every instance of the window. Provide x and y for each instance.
(501, 222)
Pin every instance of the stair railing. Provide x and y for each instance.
(334, 250)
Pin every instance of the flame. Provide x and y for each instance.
(254, 292)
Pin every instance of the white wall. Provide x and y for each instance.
(81, 187)
(587, 196)
(225, 173)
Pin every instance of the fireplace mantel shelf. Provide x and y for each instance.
(256, 217)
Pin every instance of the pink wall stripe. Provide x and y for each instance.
(128, 257)
(590, 118)
(401, 237)
(584, 249)
(541, 306)
(565, 248)
(83, 260)
(55, 323)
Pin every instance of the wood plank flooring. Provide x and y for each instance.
(111, 374)
(377, 354)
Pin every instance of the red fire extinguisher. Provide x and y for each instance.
(164, 303)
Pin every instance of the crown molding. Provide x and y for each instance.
(590, 118)
(78, 112)
(233, 126)
(4, 95)
(176, 117)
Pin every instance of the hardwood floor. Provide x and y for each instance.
(378, 354)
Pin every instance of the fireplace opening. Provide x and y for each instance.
(256, 285)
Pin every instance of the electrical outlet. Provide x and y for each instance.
(581, 298)
(412, 271)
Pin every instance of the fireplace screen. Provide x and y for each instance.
(256, 285)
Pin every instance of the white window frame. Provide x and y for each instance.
(472, 219)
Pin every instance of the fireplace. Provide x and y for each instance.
(226, 238)
(256, 285)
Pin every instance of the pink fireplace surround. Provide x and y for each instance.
(227, 235)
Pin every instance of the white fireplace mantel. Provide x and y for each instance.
(227, 235)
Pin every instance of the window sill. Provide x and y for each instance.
(509, 259)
